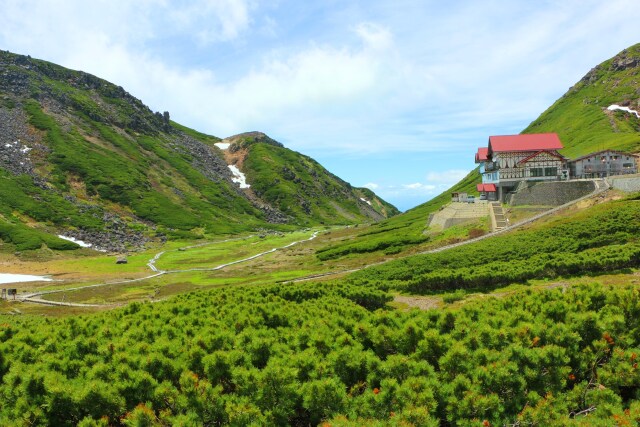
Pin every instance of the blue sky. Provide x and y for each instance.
(395, 95)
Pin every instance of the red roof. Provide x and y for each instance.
(481, 155)
(527, 142)
(486, 188)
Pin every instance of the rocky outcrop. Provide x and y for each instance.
(18, 143)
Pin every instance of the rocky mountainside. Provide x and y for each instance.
(82, 157)
(586, 118)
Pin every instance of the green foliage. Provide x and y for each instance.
(25, 238)
(580, 118)
(301, 188)
(399, 232)
(309, 353)
(368, 245)
(603, 238)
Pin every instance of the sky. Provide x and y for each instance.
(392, 95)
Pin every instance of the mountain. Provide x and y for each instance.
(297, 185)
(82, 157)
(581, 117)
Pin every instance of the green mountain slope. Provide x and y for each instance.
(581, 118)
(81, 156)
(400, 232)
(299, 186)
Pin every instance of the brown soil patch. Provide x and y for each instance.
(423, 303)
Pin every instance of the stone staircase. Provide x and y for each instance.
(498, 220)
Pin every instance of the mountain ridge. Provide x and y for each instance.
(100, 160)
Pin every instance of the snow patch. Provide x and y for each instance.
(76, 241)
(621, 108)
(239, 177)
(222, 145)
(16, 278)
(365, 200)
(26, 149)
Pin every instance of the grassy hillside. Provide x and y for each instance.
(400, 232)
(305, 354)
(300, 187)
(581, 118)
(602, 238)
(81, 156)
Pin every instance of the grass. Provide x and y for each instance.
(580, 117)
(301, 188)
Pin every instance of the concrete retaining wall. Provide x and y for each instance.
(551, 193)
(630, 183)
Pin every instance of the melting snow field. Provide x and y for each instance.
(222, 145)
(627, 109)
(365, 200)
(76, 241)
(16, 278)
(239, 177)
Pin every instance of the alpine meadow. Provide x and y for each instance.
(185, 279)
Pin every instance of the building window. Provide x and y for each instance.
(627, 165)
(536, 172)
(550, 171)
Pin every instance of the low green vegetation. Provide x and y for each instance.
(401, 232)
(603, 238)
(309, 353)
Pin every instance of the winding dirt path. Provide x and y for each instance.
(600, 187)
(36, 297)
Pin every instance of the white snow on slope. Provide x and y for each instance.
(365, 200)
(627, 109)
(240, 178)
(222, 145)
(15, 278)
(78, 242)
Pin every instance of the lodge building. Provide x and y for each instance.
(604, 163)
(509, 159)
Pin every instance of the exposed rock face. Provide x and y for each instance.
(623, 62)
(17, 142)
(116, 237)
(620, 62)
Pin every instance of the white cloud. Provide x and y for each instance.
(371, 186)
(374, 36)
(211, 20)
(329, 79)
(414, 186)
